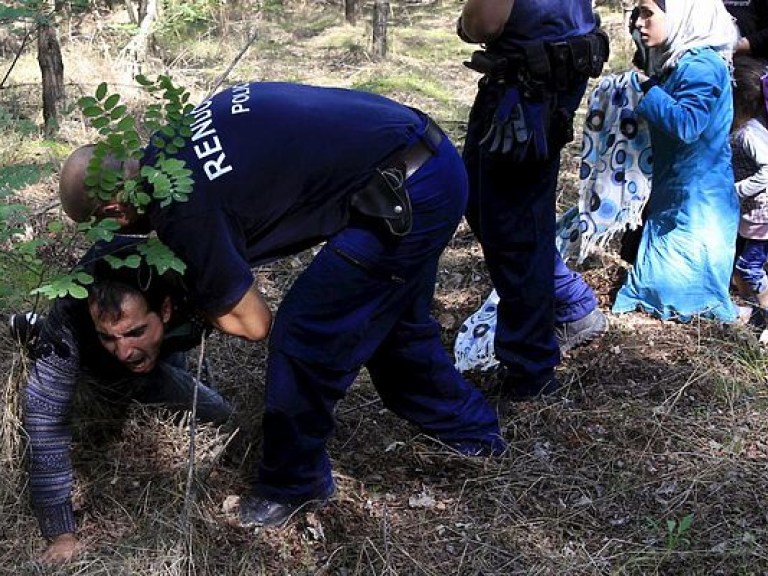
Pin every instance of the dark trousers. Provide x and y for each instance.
(365, 300)
(750, 264)
(169, 385)
(512, 212)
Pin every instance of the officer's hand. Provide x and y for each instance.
(62, 549)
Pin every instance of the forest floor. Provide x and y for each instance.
(653, 460)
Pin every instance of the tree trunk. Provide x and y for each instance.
(380, 14)
(350, 11)
(627, 7)
(144, 8)
(135, 52)
(131, 12)
(52, 72)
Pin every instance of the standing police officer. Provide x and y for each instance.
(536, 60)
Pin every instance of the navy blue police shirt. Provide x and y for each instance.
(274, 166)
(544, 21)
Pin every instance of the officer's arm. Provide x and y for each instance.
(250, 318)
(484, 20)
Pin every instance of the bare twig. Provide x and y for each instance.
(232, 64)
(19, 52)
(189, 494)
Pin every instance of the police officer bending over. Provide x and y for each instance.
(278, 168)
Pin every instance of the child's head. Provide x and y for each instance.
(748, 98)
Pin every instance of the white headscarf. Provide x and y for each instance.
(694, 24)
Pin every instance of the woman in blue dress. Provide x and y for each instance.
(685, 258)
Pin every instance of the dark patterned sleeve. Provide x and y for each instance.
(48, 407)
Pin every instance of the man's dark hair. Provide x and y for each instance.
(111, 286)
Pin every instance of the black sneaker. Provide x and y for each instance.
(258, 512)
(25, 328)
(580, 332)
(525, 388)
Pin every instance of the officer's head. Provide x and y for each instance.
(78, 202)
(130, 318)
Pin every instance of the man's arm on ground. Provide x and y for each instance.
(250, 318)
(47, 410)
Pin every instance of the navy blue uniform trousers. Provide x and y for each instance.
(511, 210)
(365, 300)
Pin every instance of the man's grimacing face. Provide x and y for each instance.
(135, 337)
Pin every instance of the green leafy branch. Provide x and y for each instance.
(19, 256)
(167, 179)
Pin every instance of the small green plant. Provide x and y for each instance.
(273, 8)
(677, 531)
(18, 258)
(180, 17)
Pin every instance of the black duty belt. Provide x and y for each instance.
(556, 65)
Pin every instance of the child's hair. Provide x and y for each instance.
(748, 97)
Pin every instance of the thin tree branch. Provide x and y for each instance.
(237, 58)
(27, 36)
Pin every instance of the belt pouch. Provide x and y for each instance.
(581, 52)
(537, 61)
(561, 62)
(599, 51)
(385, 200)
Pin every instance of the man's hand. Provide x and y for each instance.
(61, 549)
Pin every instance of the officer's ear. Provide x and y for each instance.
(166, 310)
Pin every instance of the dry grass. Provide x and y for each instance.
(660, 421)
